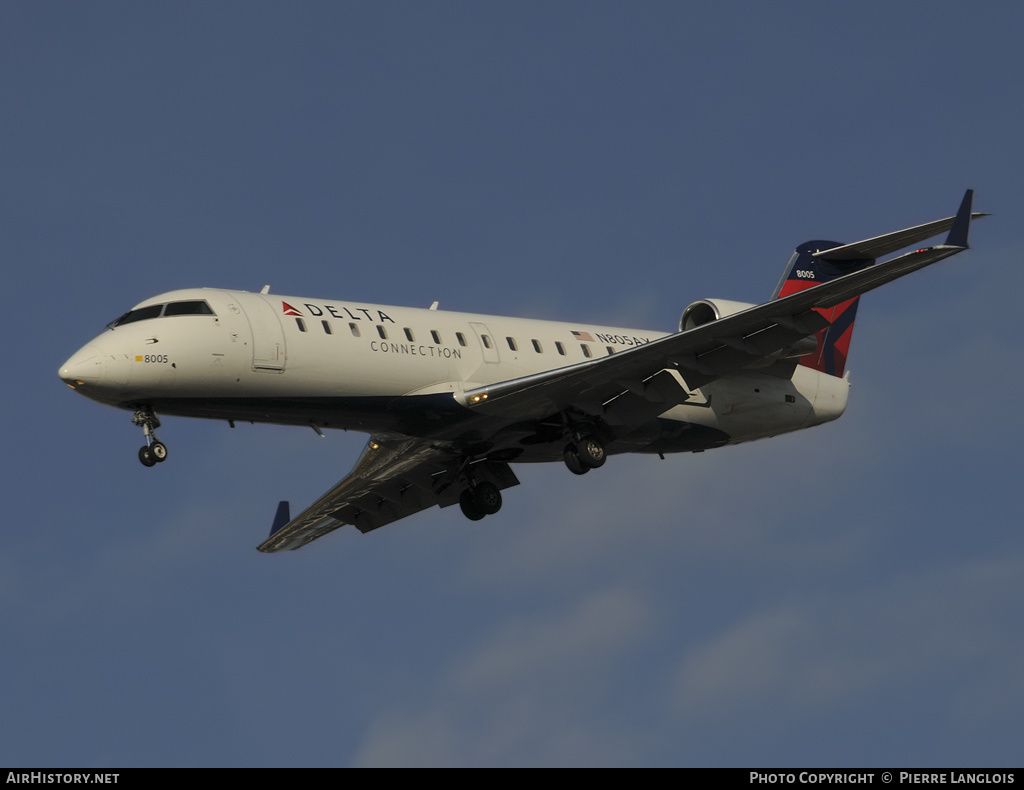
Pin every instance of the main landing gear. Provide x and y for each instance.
(585, 454)
(154, 451)
(482, 499)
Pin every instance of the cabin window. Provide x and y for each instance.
(586, 350)
(610, 350)
(461, 338)
(435, 336)
(512, 343)
(300, 324)
(559, 347)
(355, 329)
(382, 332)
(487, 341)
(536, 346)
(192, 307)
(327, 327)
(408, 335)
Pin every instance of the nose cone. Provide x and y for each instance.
(83, 369)
(98, 371)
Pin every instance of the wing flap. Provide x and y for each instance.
(642, 401)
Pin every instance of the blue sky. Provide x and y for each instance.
(846, 596)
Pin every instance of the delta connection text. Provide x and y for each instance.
(887, 777)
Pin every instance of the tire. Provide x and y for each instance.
(591, 453)
(470, 507)
(159, 451)
(146, 456)
(488, 498)
(572, 460)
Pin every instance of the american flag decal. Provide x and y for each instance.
(584, 336)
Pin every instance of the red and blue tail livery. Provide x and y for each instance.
(805, 270)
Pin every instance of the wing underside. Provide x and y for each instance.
(392, 479)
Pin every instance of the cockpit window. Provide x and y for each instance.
(140, 314)
(196, 307)
(191, 307)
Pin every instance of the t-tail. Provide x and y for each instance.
(819, 261)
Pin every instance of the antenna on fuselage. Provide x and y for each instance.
(265, 289)
(433, 306)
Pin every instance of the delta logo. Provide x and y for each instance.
(336, 312)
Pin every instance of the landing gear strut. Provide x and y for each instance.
(154, 451)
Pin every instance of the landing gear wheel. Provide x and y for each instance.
(471, 509)
(155, 451)
(159, 451)
(488, 497)
(572, 460)
(591, 452)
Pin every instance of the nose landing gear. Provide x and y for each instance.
(154, 451)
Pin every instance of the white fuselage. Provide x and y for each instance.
(342, 364)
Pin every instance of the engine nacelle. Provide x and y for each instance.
(707, 310)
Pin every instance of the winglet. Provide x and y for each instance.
(283, 517)
(958, 233)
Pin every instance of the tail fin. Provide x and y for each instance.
(805, 270)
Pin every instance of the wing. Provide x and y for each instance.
(633, 385)
(392, 479)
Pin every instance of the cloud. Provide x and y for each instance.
(804, 658)
(533, 692)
